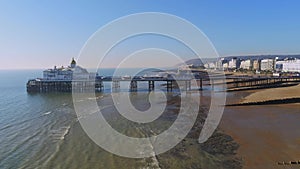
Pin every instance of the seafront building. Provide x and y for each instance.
(276, 64)
(267, 65)
(210, 65)
(256, 65)
(288, 65)
(225, 66)
(219, 63)
(66, 73)
(234, 63)
(246, 64)
(64, 78)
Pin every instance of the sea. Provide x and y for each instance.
(41, 130)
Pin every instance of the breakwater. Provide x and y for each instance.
(267, 102)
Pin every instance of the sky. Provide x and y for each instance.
(40, 34)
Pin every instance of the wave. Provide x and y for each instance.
(65, 133)
(57, 136)
(49, 112)
(60, 133)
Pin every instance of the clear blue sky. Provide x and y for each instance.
(40, 34)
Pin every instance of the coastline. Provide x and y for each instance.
(266, 134)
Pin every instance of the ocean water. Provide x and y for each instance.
(42, 131)
(28, 123)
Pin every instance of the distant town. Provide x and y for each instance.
(275, 65)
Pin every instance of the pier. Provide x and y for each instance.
(74, 78)
(235, 83)
(44, 86)
(170, 83)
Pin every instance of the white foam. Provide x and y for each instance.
(65, 133)
(60, 133)
(49, 112)
(79, 101)
(99, 97)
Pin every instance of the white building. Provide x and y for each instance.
(225, 66)
(58, 74)
(246, 64)
(255, 65)
(219, 63)
(288, 65)
(210, 65)
(66, 73)
(267, 65)
(232, 63)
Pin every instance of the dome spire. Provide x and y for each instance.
(73, 63)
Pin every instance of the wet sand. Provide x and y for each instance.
(77, 150)
(273, 94)
(267, 134)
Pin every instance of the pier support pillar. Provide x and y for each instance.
(188, 85)
(169, 85)
(99, 86)
(201, 84)
(151, 85)
(133, 86)
(116, 84)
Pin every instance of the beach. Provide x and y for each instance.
(267, 134)
(291, 92)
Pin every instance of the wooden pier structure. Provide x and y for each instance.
(233, 83)
(246, 82)
(170, 83)
(44, 86)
